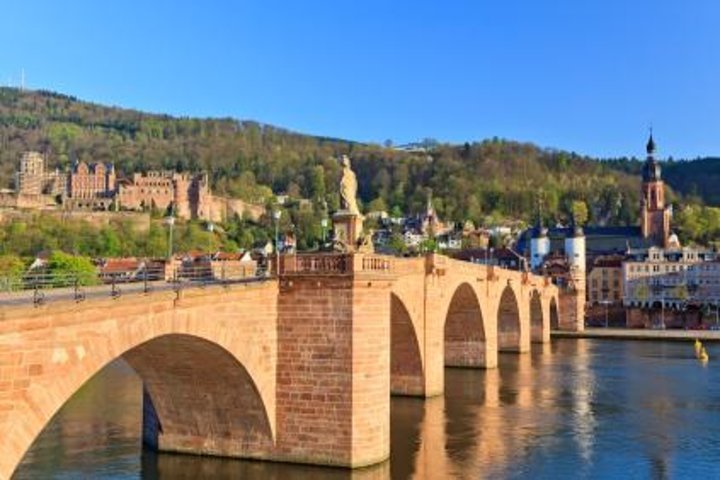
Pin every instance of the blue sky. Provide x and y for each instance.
(573, 74)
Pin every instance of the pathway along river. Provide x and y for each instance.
(572, 409)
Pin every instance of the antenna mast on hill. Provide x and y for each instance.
(22, 79)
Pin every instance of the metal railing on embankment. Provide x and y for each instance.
(40, 287)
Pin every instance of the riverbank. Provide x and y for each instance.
(641, 334)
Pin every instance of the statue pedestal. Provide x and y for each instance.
(347, 227)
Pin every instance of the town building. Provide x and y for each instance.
(501, 257)
(605, 280)
(654, 228)
(605, 291)
(661, 287)
(187, 195)
(91, 186)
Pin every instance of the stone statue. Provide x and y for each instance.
(348, 188)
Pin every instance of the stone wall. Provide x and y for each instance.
(139, 220)
(333, 370)
(203, 338)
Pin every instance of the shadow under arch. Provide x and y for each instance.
(195, 392)
(536, 318)
(407, 376)
(464, 331)
(508, 318)
(554, 316)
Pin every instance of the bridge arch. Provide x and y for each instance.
(464, 330)
(536, 318)
(194, 391)
(406, 366)
(554, 316)
(186, 363)
(508, 322)
(183, 373)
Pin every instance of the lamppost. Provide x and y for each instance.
(170, 222)
(324, 224)
(211, 229)
(276, 216)
(659, 288)
(606, 302)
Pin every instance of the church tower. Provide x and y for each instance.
(654, 215)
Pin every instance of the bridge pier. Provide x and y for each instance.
(333, 400)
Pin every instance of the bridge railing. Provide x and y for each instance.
(39, 287)
(332, 264)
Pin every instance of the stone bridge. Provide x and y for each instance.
(299, 367)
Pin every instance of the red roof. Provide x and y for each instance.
(223, 256)
(120, 265)
(614, 261)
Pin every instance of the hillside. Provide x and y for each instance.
(484, 182)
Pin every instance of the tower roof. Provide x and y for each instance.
(650, 147)
(651, 171)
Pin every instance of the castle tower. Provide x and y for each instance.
(654, 215)
(575, 250)
(539, 246)
(29, 178)
(572, 298)
(181, 195)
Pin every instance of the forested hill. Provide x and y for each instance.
(698, 178)
(483, 181)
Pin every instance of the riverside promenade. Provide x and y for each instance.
(641, 334)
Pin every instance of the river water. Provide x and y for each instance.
(571, 409)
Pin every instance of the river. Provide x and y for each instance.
(570, 409)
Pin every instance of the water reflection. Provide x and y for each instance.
(168, 466)
(573, 409)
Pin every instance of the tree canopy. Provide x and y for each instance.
(484, 182)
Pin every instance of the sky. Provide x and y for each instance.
(579, 75)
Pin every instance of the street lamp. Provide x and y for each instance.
(276, 216)
(606, 302)
(170, 222)
(324, 224)
(658, 288)
(211, 229)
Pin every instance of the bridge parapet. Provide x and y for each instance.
(440, 264)
(334, 264)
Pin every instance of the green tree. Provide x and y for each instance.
(11, 271)
(65, 269)
(317, 182)
(397, 244)
(377, 205)
(579, 212)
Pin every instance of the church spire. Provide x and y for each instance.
(650, 147)
(651, 171)
(654, 216)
